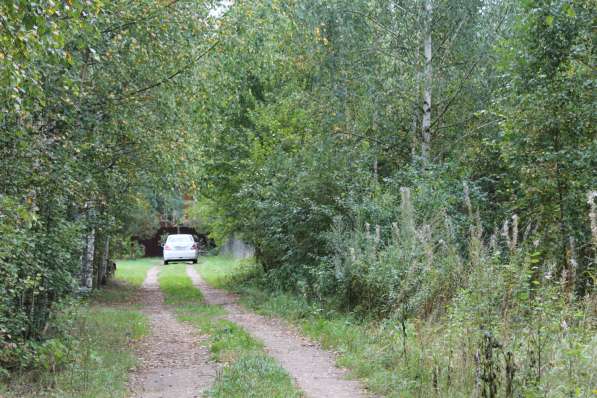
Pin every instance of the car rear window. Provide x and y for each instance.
(180, 238)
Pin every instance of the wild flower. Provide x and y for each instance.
(493, 240)
(467, 200)
(395, 230)
(564, 325)
(377, 235)
(527, 232)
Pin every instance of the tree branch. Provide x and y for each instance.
(126, 25)
(169, 77)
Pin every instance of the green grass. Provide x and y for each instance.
(177, 286)
(248, 371)
(91, 351)
(226, 272)
(129, 276)
(133, 271)
(436, 353)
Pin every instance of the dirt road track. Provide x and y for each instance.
(174, 358)
(311, 367)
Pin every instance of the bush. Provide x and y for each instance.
(38, 262)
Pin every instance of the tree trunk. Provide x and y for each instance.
(87, 263)
(416, 106)
(426, 123)
(104, 264)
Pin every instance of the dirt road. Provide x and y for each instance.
(311, 367)
(174, 359)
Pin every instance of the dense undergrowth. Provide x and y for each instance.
(87, 348)
(496, 336)
(247, 370)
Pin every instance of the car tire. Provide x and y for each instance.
(195, 261)
(165, 262)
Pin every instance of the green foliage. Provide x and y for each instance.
(88, 143)
(309, 113)
(298, 131)
(477, 255)
(548, 143)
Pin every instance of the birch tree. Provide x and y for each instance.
(428, 82)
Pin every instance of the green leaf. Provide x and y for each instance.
(549, 20)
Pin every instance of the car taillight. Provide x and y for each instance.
(194, 247)
(167, 247)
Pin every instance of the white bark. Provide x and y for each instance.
(416, 106)
(87, 263)
(427, 48)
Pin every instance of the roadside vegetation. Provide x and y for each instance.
(246, 370)
(90, 150)
(417, 179)
(87, 350)
(548, 353)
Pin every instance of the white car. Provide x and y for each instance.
(180, 248)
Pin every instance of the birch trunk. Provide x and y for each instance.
(416, 106)
(87, 263)
(104, 264)
(426, 122)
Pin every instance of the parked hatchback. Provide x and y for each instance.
(180, 247)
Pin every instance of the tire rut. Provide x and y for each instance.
(175, 361)
(312, 368)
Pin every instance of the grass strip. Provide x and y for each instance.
(247, 371)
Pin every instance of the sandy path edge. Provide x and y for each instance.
(312, 368)
(175, 360)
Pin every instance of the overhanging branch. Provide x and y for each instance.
(169, 77)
